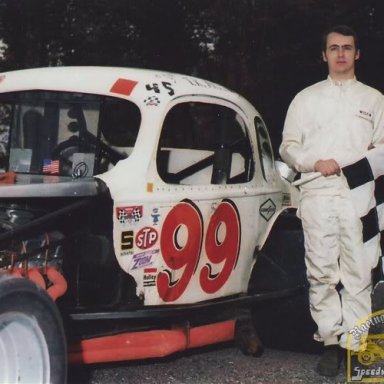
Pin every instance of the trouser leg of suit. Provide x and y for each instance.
(335, 253)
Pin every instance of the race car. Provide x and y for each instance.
(141, 212)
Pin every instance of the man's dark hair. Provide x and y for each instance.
(342, 30)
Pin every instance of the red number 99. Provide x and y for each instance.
(178, 252)
(224, 221)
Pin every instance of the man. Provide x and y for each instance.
(329, 125)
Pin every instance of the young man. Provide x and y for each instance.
(329, 125)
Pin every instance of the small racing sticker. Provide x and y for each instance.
(146, 237)
(149, 279)
(126, 243)
(129, 215)
(152, 101)
(143, 259)
(267, 209)
(155, 216)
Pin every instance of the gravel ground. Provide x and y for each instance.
(213, 365)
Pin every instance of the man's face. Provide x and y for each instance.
(340, 54)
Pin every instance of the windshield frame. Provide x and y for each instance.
(69, 133)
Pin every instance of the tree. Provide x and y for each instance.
(267, 50)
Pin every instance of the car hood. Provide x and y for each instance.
(49, 186)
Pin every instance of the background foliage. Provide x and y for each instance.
(267, 50)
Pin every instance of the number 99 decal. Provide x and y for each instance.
(184, 216)
(181, 243)
(221, 249)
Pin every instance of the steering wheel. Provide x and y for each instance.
(65, 150)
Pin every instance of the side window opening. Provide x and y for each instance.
(203, 143)
(265, 149)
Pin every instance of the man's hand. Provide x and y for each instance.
(327, 167)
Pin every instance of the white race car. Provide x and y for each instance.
(141, 213)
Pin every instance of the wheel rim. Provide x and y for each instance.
(24, 352)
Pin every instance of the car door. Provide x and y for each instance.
(204, 220)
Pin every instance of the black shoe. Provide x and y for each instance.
(330, 362)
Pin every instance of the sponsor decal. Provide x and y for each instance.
(126, 240)
(126, 253)
(155, 216)
(149, 279)
(267, 209)
(129, 215)
(143, 259)
(123, 86)
(82, 164)
(286, 199)
(146, 237)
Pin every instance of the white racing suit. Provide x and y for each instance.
(341, 121)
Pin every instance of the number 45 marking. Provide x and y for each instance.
(155, 87)
(220, 249)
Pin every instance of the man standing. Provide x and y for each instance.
(329, 125)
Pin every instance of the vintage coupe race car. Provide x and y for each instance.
(141, 213)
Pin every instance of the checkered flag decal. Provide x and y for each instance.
(122, 216)
(136, 215)
(366, 182)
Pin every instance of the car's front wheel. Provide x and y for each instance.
(32, 340)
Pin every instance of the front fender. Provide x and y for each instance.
(280, 261)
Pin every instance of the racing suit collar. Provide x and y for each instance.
(341, 83)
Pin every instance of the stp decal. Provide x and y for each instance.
(181, 244)
(129, 215)
(146, 237)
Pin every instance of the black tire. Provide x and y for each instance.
(286, 324)
(32, 339)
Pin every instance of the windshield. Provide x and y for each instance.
(65, 134)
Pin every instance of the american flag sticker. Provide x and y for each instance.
(51, 166)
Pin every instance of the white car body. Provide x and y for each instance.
(241, 225)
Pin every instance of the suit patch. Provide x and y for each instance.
(366, 115)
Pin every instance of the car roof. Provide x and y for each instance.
(129, 83)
